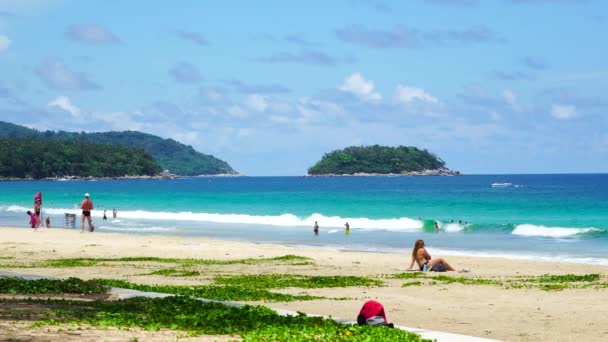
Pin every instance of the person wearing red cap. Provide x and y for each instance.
(86, 205)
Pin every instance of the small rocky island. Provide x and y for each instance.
(379, 160)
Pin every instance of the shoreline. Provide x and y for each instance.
(91, 178)
(478, 310)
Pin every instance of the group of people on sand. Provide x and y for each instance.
(35, 217)
(86, 206)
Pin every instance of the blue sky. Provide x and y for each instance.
(492, 86)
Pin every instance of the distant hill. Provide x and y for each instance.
(37, 158)
(171, 155)
(378, 159)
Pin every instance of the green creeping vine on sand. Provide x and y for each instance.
(172, 272)
(545, 282)
(90, 262)
(278, 281)
(186, 314)
(238, 293)
(50, 286)
(251, 323)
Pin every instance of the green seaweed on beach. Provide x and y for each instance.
(90, 262)
(565, 278)
(412, 283)
(172, 272)
(466, 281)
(13, 285)
(408, 275)
(251, 323)
(278, 281)
(237, 293)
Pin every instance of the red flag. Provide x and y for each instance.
(38, 198)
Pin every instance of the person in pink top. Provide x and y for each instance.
(32, 219)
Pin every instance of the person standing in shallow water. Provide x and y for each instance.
(316, 228)
(86, 205)
(104, 215)
(436, 226)
(113, 213)
(347, 228)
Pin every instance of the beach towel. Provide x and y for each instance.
(438, 268)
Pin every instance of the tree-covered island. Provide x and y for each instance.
(171, 155)
(380, 160)
(37, 159)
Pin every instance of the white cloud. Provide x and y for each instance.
(494, 115)
(511, 100)
(213, 95)
(91, 34)
(563, 112)
(64, 103)
(236, 111)
(122, 121)
(361, 87)
(279, 119)
(4, 43)
(257, 102)
(406, 94)
(187, 137)
(244, 132)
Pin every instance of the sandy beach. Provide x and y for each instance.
(527, 313)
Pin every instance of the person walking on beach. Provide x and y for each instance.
(86, 205)
(316, 228)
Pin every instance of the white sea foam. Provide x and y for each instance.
(138, 229)
(285, 220)
(557, 232)
(452, 227)
(522, 256)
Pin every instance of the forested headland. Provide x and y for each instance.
(37, 158)
(171, 155)
(378, 159)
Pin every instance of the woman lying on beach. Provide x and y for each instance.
(420, 255)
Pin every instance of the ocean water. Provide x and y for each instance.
(540, 217)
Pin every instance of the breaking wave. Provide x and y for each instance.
(557, 232)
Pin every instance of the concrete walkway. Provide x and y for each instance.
(120, 293)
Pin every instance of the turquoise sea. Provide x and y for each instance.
(542, 217)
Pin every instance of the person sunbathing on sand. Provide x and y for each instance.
(420, 255)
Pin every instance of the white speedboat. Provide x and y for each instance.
(501, 185)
